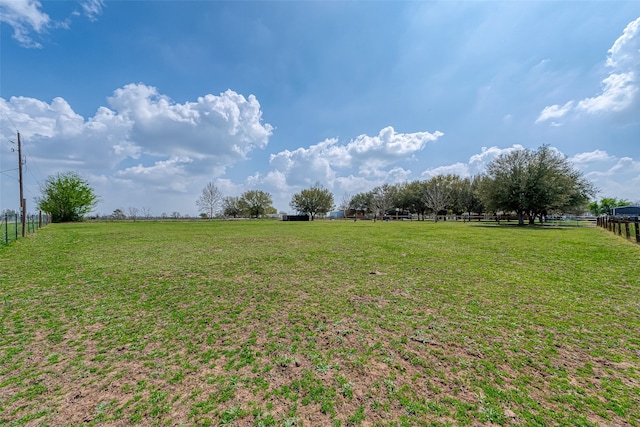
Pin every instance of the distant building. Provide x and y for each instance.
(336, 214)
(295, 217)
(626, 211)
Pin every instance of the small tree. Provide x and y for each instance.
(345, 204)
(67, 196)
(255, 202)
(437, 194)
(132, 211)
(231, 207)
(146, 212)
(210, 200)
(118, 214)
(313, 201)
(384, 198)
(362, 202)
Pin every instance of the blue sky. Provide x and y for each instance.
(151, 100)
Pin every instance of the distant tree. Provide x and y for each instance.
(271, 211)
(255, 202)
(146, 212)
(534, 183)
(67, 197)
(231, 207)
(118, 214)
(132, 212)
(313, 201)
(436, 193)
(362, 202)
(606, 204)
(175, 215)
(345, 204)
(411, 196)
(210, 200)
(384, 197)
(467, 196)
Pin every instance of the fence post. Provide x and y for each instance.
(637, 224)
(6, 228)
(626, 229)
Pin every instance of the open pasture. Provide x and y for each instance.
(324, 323)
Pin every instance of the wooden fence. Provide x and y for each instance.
(629, 227)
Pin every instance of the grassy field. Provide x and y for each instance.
(258, 323)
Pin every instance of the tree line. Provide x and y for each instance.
(529, 183)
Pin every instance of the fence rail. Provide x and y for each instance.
(11, 225)
(628, 227)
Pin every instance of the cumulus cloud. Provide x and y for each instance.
(142, 145)
(370, 155)
(620, 88)
(219, 129)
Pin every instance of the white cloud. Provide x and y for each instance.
(478, 162)
(388, 146)
(460, 169)
(590, 157)
(176, 147)
(25, 17)
(220, 129)
(618, 92)
(620, 89)
(554, 111)
(92, 8)
(215, 131)
(371, 155)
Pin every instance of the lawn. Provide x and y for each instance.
(257, 323)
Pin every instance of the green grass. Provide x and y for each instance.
(323, 323)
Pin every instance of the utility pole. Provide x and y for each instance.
(23, 202)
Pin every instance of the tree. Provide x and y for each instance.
(411, 197)
(118, 214)
(606, 204)
(437, 193)
(146, 212)
(210, 200)
(345, 204)
(231, 207)
(313, 201)
(534, 183)
(67, 197)
(467, 197)
(255, 202)
(362, 202)
(384, 198)
(132, 212)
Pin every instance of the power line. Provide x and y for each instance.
(15, 128)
